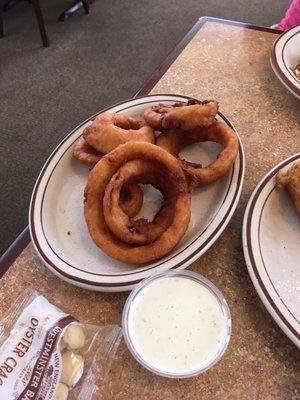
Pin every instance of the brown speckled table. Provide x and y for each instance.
(229, 62)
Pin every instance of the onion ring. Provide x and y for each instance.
(100, 177)
(131, 197)
(108, 130)
(183, 116)
(140, 231)
(219, 132)
(85, 153)
(155, 115)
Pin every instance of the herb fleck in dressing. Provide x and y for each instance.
(176, 324)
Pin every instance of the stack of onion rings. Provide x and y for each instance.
(121, 153)
(95, 196)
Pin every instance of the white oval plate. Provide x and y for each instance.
(58, 229)
(285, 55)
(271, 242)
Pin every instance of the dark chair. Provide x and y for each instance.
(40, 19)
(85, 6)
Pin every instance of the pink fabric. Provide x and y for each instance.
(292, 16)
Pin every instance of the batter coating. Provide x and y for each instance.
(98, 180)
(219, 132)
(139, 231)
(109, 130)
(85, 153)
(182, 116)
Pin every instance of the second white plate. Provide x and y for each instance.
(285, 55)
(271, 240)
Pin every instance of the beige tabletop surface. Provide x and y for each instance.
(230, 64)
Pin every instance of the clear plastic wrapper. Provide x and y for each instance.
(46, 354)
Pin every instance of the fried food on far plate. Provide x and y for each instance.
(291, 180)
(296, 71)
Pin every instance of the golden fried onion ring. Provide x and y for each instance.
(139, 231)
(219, 132)
(98, 180)
(131, 199)
(108, 130)
(183, 116)
(131, 196)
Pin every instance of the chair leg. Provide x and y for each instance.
(1, 26)
(40, 21)
(85, 6)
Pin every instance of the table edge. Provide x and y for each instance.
(16, 248)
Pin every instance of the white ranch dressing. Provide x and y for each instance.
(176, 324)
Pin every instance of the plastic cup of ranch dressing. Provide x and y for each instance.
(176, 324)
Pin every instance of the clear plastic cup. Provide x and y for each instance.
(223, 307)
